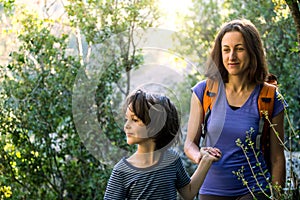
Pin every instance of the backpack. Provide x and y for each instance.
(265, 107)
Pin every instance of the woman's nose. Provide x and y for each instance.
(232, 55)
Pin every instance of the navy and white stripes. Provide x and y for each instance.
(160, 181)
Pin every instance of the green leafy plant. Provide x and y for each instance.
(42, 155)
(276, 191)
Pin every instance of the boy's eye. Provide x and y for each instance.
(135, 119)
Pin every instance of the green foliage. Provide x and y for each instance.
(8, 5)
(42, 155)
(275, 190)
(199, 29)
(100, 19)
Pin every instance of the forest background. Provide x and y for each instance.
(67, 65)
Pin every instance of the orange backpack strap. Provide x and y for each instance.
(266, 100)
(210, 93)
(265, 108)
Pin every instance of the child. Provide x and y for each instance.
(154, 171)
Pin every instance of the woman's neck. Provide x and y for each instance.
(239, 84)
(238, 91)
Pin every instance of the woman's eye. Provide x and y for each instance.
(226, 50)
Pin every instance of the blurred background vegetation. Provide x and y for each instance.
(45, 45)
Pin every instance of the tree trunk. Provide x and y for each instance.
(294, 8)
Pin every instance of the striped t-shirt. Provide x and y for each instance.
(159, 181)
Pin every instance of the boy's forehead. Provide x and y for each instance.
(129, 110)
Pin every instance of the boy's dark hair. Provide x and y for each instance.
(159, 115)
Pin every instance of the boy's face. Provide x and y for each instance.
(135, 129)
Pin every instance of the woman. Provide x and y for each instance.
(238, 58)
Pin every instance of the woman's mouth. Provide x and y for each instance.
(232, 64)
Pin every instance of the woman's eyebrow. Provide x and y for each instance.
(239, 44)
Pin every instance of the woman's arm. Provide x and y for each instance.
(191, 145)
(208, 155)
(278, 170)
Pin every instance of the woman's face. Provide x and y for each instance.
(234, 53)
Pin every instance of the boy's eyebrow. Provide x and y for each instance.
(130, 115)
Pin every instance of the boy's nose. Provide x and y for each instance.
(126, 125)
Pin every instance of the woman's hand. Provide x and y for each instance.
(210, 152)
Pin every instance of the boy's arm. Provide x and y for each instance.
(209, 155)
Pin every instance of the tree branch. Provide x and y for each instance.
(294, 8)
